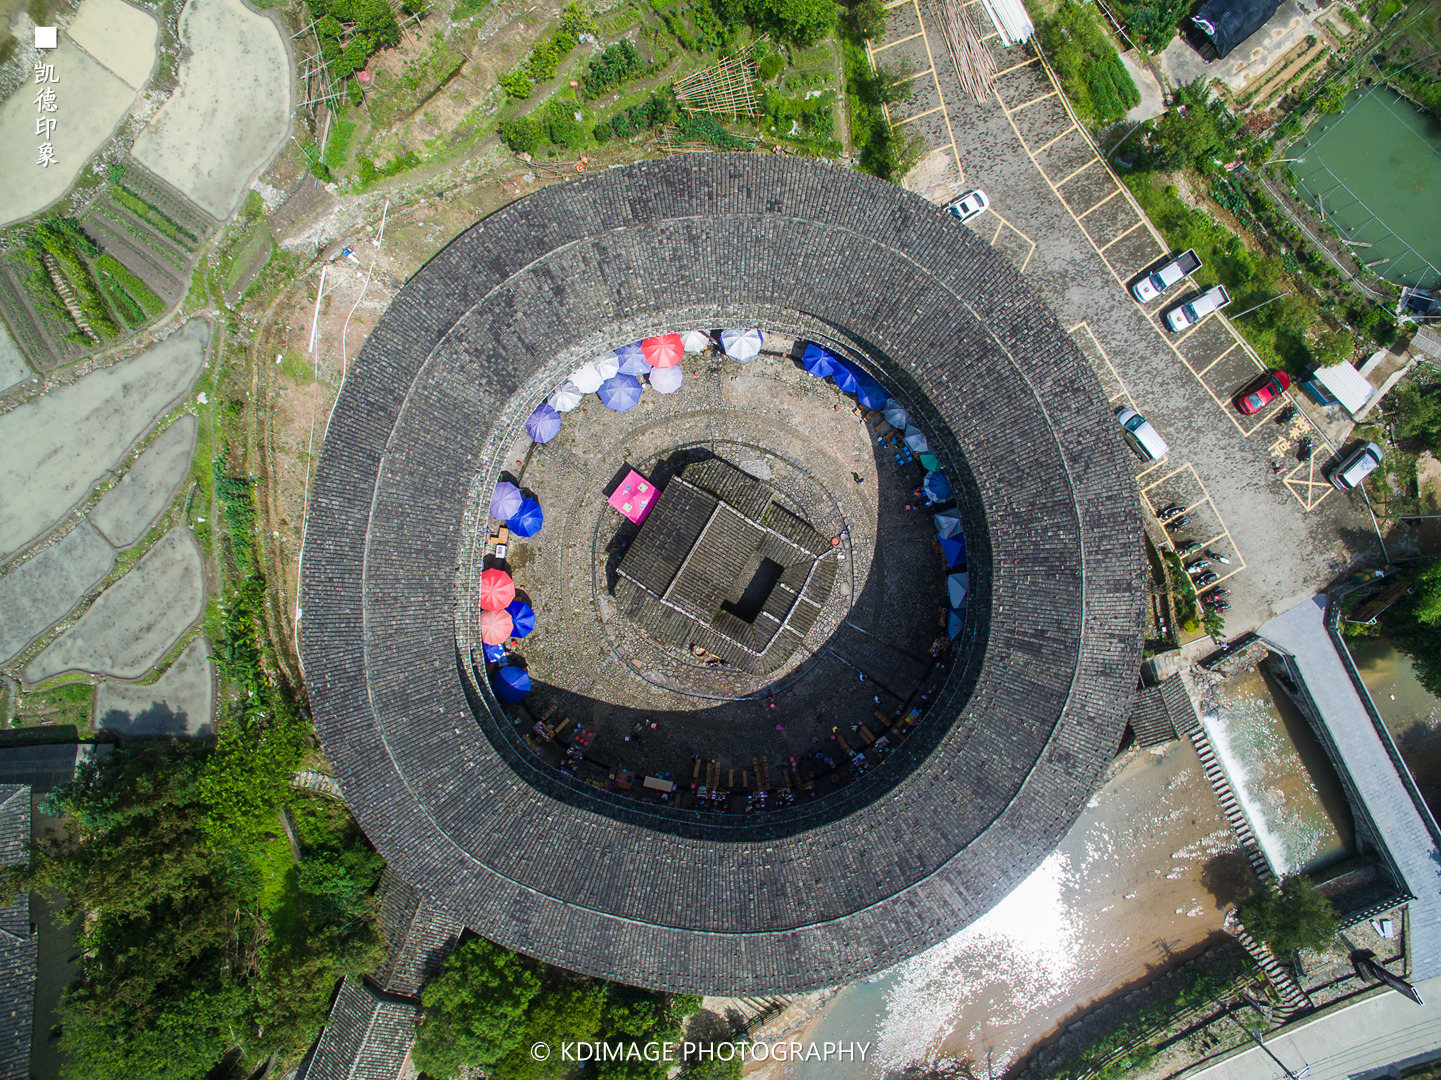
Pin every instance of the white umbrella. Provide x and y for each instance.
(957, 584)
(608, 365)
(916, 440)
(588, 377)
(896, 416)
(695, 340)
(666, 380)
(566, 397)
(742, 345)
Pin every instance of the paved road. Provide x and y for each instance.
(1073, 230)
(1359, 1042)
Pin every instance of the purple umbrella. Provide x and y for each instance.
(544, 424)
(620, 392)
(512, 683)
(522, 618)
(527, 520)
(505, 502)
(819, 361)
(632, 360)
(666, 380)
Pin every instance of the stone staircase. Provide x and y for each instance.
(1294, 999)
(1230, 805)
(318, 782)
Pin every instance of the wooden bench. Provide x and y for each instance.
(562, 725)
(842, 740)
(866, 734)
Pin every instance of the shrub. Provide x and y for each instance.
(870, 18)
(564, 129)
(612, 67)
(802, 22)
(518, 84)
(1096, 82)
(521, 133)
(602, 133)
(770, 66)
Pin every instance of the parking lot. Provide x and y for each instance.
(1065, 220)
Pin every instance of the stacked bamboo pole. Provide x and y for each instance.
(726, 89)
(975, 63)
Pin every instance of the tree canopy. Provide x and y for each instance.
(1289, 917)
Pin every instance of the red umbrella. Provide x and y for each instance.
(495, 627)
(496, 591)
(664, 351)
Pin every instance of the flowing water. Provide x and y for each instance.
(1412, 713)
(1282, 777)
(1374, 171)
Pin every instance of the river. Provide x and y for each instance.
(1411, 712)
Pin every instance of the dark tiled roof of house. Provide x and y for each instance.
(418, 936)
(18, 946)
(367, 1037)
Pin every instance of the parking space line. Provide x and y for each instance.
(898, 41)
(1178, 341)
(1005, 224)
(1000, 224)
(1017, 67)
(1075, 173)
(1188, 467)
(1216, 361)
(918, 116)
(912, 75)
(1125, 390)
(1174, 472)
(1052, 142)
(1033, 101)
(1102, 203)
(935, 81)
(1102, 249)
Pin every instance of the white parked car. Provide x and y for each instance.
(969, 205)
(1193, 311)
(1140, 435)
(1357, 466)
(1153, 285)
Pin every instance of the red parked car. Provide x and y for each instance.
(1262, 392)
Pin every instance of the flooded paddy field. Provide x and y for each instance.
(13, 369)
(59, 445)
(99, 71)
(230, 111)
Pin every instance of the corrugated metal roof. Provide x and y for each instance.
(1347, 385)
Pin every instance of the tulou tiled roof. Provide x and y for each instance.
(18, 945)
(809, 895)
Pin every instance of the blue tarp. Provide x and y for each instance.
(528, 520)
(512, 683)
(819, 361)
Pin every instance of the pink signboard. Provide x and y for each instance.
(635, 496)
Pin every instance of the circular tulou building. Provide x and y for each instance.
(739, 645)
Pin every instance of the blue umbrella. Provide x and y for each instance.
(954, 621)
(632, 360)
(544, 424)
(937, 486)
(954, 549)
(620, 392)
(506, 500)
(847, 378)
(512, 683)
(956, 586)
(948, 523)
(526, 521)
(522, 618)
(869, 393)
(818, 361)
(494, 654)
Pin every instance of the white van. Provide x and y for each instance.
(1357, 466)
(1140, 435)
